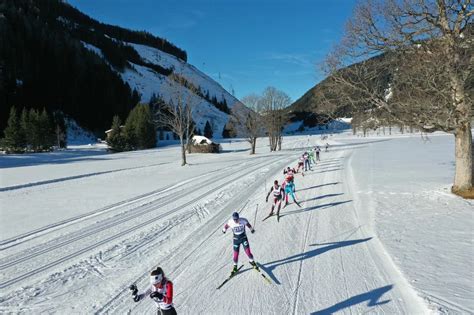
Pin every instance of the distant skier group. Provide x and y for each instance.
(161, 289)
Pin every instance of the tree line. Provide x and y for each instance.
(33, 131)
(43, 66)
(52, 9)
(220, 105)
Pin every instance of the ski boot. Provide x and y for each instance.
(254, 265)
(234, 271)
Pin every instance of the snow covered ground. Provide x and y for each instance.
(378, 230)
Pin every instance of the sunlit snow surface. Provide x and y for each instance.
(377, 231)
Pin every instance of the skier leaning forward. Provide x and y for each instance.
(238, 226)
(278, 194)
(289, 187)
(161, 291)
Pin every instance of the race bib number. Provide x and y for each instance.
(239, 229)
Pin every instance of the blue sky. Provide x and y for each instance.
(245, 45)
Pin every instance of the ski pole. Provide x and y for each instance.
(255, 219)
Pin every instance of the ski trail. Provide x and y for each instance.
(111, 223)
(303, 248)
(135, 201)
(183, 254)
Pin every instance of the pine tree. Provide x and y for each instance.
(208, 130)
(24, 123)
(116, 140)
(129, 131)
(34, 130)
(14, 140)
(60, 129)
(145, 131)
(139, 130)
(46, 131)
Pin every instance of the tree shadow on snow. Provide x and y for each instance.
(318, 186)
(328, 169)
(372, 297)
(327, 164)
(323, 206)
(323, 196)
(55, 157)
(269, 267)
(234, 150)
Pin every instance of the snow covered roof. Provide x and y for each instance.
(201, 140)
(110, 130)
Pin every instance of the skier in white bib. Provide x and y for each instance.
(278, 194)
(238, 225)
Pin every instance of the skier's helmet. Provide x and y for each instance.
(156, 276)
(235, 215)
(275, 182)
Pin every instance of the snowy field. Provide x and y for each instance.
(378, 230)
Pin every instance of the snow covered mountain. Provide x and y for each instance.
(147, 82)
(61, 59)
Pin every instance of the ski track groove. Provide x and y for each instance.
(17, 279)
(294, 307)
(300, 267)
(19, 239)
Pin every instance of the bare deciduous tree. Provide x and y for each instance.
(273, 103)
(419, 71)
(176, 115)
(251, 120)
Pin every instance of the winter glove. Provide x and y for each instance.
(156, 295)
(252, 231)
(223, 231)
(134, 289)
(266, 199)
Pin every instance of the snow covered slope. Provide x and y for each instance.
(376, 232)
(148, 82)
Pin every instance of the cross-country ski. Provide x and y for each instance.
(233, 274)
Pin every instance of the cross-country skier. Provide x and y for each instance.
(289, 173)
(311, 157)
(327, 146)
(300, 164)
(318, 150)
(307, 164)
(160, 290)
(238, 226)
(290, 190)
(277, 191)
